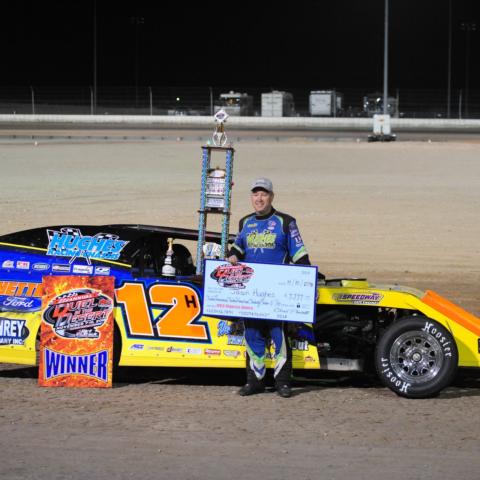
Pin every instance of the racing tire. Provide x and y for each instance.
(416, 357)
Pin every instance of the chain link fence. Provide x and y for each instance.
(85, 100)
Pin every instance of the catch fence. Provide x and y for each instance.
(160, 100)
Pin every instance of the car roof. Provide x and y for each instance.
(133, 233)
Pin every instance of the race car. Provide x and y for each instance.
(414, 340)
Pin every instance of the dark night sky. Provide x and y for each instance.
(316, 44)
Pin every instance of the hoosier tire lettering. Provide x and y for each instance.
(396, 382)
(416, 357)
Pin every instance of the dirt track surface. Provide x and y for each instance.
(405, 213)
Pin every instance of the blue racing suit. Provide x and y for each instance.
(272, 238)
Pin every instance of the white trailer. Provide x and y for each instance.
(325, 103)
(235, 104)
(277, 104)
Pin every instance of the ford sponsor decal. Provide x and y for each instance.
(19, 304)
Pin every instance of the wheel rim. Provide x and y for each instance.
(416, 357)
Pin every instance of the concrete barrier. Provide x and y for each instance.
(240, 123)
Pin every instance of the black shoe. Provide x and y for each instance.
(250, 389)
(284, 391)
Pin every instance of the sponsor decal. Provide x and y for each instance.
(41, 267)
(174, 350)
(232, 353)
(160, 349)
(92, 365)
(233, 331)
(58, 267)
(252, 225)
(69, 242)
(19, 304)
(263, 240)
(8, 264)
(102, 270)
(22, 265)
(212, 351)
(194, 351)
(232, 276)
(295, 234)
(358, 298)
(223, 328)
(136, 346)
(235, 340)
(78, 313)
(271, 225)
(20, 289)
(299, 345)
(83, 269)
(13, 331)
(309, 359)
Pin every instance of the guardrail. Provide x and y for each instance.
(239, 123)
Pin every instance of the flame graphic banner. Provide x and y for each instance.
(76, 338)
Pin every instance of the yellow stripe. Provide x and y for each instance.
(23, 246)
(44, 250)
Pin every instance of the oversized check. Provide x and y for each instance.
(260, 291)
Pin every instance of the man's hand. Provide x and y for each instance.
(233, 259)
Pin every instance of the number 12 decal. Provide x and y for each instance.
(180, 305)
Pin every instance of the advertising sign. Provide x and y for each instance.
(260, 291)
(76, 338)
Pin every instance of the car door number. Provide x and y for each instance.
(181, 307)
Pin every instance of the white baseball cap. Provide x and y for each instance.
(263, 183)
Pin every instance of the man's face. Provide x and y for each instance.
(261, 201)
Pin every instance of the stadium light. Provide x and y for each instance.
(94, 94)
(467, 27)
(385, 63)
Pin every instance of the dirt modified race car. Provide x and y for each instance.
(415, 340)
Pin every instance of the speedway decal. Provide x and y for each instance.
(358, 298)
(69, 242)
(76, 337)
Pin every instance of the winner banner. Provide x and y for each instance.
(260, 291)
(76, 339)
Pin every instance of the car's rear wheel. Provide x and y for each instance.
(416, 357)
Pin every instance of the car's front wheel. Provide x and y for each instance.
(416, 357)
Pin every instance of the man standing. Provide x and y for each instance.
(267, 236)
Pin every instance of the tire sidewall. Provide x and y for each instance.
(430, 387)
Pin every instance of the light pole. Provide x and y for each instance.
(94, 95)
(467, 27)
(137, 21)
(449, 62)
(385, 62)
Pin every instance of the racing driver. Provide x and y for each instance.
(267, 236)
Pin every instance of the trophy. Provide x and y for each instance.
(215, 192)
(168, 270)
(219, 136)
